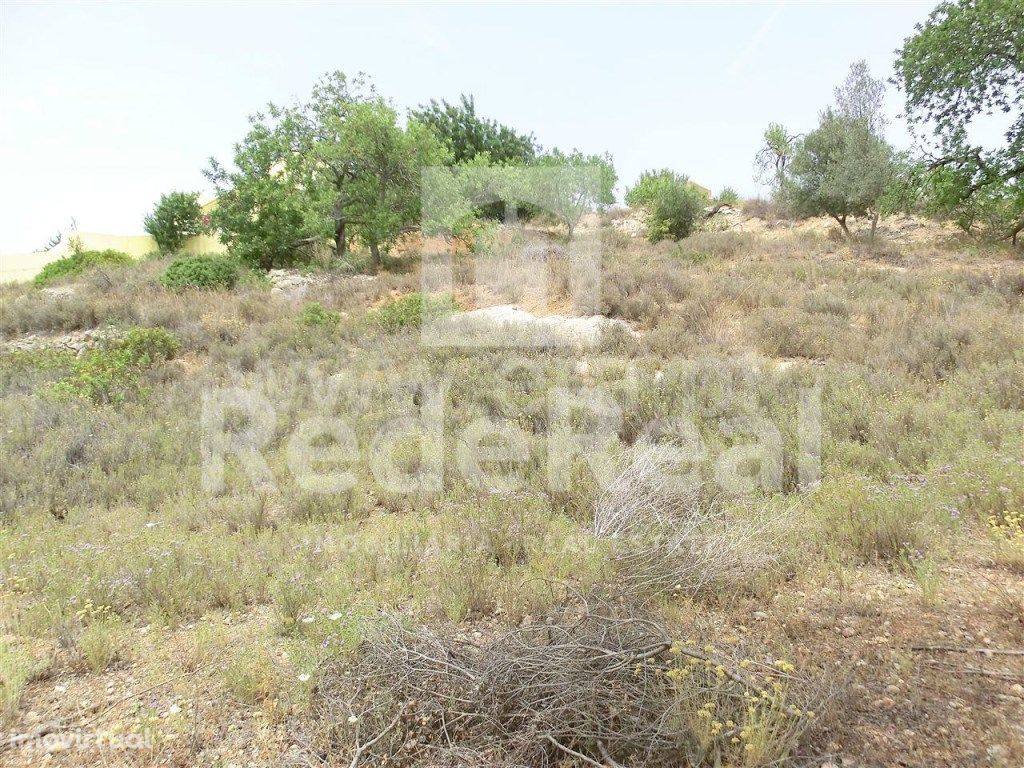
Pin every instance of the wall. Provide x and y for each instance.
(17, 267)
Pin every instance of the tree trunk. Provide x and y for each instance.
(511, 213)
(874, 225)
(340, 243)
(842, 225)
(374, 257)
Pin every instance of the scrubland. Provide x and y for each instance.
(852, 614)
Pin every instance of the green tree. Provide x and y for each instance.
(840, 169)
(576, 184)
(671, 203)
(176, 217)
(329, 171)
(467, 135)
(967, 60)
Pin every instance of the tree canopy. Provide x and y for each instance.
(671, 203)
(965, 61)
(468, 135)
(176, 217)
(839, 169)
(336, 168)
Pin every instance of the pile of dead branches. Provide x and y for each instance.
(587, 686)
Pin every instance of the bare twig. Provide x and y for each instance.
(361, 748)
(984, 651)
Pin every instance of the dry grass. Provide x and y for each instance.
(255, 596)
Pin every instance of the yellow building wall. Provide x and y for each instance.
(18, 267)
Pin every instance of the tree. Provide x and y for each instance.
(466, 135)
(861, 97)
(176, 217)
(573, 184)
(672, 204)
(967, 60)
(840, 169)
(334, 169)
(774, 156)
(479, 141)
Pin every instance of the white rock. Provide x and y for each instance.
(508, 322)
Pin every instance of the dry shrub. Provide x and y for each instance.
(644, 495)
(769, 210)
(592, 684)
(708, 557)
(670, 539)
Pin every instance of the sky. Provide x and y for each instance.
(104, 106)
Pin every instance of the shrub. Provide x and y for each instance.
(409, 310)
(176, 218)
(316, 315)
(78, 262)
(875, 523)
(111, 375)
(729, 196)
(99, 644)
(206, 272)
(672, 204)
(15, 672)
(251, 675)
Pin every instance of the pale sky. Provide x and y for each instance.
(103, 106)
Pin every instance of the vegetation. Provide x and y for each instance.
(409, 311)
(467, 136)
(673, 206)
(840, 169)
(578, 183)
(269, 599)
(204, 272)
(965, 61)
(78, 262)
(329, 171)
(176, 217)
(111, 375)
(316, 315)
(768, 514)
(775, 155)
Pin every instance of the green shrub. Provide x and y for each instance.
(176, 218)
(729, 196)
(207, 272)
(78, 262)
(409, 310)
(672, 204)
(316, 315)
(111, 375)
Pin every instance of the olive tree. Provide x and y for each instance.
(840, 169)
(573, 184)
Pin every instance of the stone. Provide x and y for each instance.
(508, 322)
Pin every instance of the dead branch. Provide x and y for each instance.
(984, 651)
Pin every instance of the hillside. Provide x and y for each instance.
(827, 571)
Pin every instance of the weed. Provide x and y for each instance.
(410, 310)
